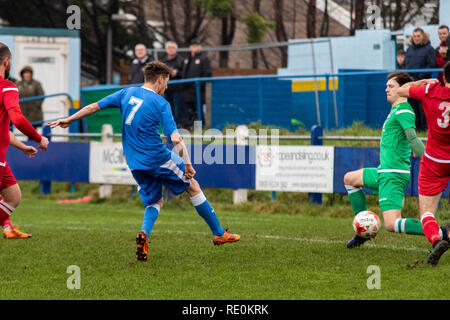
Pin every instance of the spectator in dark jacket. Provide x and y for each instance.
(441, 50)
(197, 65)
(173, 93)
(420, 55)
(136, 74)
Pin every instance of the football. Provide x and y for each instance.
(366, 224)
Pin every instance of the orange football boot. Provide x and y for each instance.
(15, 234)
(227, 237)
(142, 246)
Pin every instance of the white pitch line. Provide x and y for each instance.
(270, 237)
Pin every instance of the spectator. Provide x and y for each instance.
(29, 87)
(173, 93)
(400, 58)
(195, 66)
(420, 55)
(136, 74)
(441, 50)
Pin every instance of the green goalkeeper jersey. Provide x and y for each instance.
(395, 151)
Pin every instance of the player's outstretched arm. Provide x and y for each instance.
(28, 150)
(86, 111)
(403, 91)
(181, 149)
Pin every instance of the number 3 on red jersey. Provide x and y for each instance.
(446, 115)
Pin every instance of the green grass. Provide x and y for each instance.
(280, 256)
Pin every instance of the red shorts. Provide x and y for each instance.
(433, 177)
(6, 176)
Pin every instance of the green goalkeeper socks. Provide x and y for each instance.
(357, 199)
(408, 226)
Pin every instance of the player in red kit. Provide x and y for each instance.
(9, 230)
(434, 172)
(10, 112)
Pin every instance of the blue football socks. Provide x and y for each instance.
(205, 210)
(150, 215)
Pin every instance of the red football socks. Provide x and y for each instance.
(430, 227)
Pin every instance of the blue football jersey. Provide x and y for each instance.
(143, 111)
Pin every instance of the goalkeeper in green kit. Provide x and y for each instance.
(392, 176)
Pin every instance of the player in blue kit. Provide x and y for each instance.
(143, 111)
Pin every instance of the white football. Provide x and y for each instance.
(366, 224)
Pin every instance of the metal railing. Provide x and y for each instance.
(36, 123)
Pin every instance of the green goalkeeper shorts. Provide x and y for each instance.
(390, 187)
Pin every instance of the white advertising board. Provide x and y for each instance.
(295, 168)
(107, 164)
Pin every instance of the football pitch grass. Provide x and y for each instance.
(279, 257)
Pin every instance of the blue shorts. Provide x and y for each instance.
(170, 174)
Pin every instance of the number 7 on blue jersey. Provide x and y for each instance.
(137, 104)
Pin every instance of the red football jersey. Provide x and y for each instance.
(7, 88)
(436, 106)
(10, 112)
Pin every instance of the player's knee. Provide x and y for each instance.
(194, 188)
(389, 226)
(348, 178)
(160, 203)
(14, 199)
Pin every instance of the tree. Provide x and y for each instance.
(223, 10)
(183, 20)
(311, 19)
(325, 21)
(280, 30)
(96, 16)
(395, 14)
(257, 27)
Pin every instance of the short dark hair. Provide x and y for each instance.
(401, 77)
(419, 30)
(155, 69)
(443, 27)
(4, 52)
(447, 72)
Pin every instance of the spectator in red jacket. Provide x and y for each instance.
(442, 50)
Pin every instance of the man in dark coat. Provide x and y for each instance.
(136, 74)
(420, 55)
(197, 65)
(174, 91)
